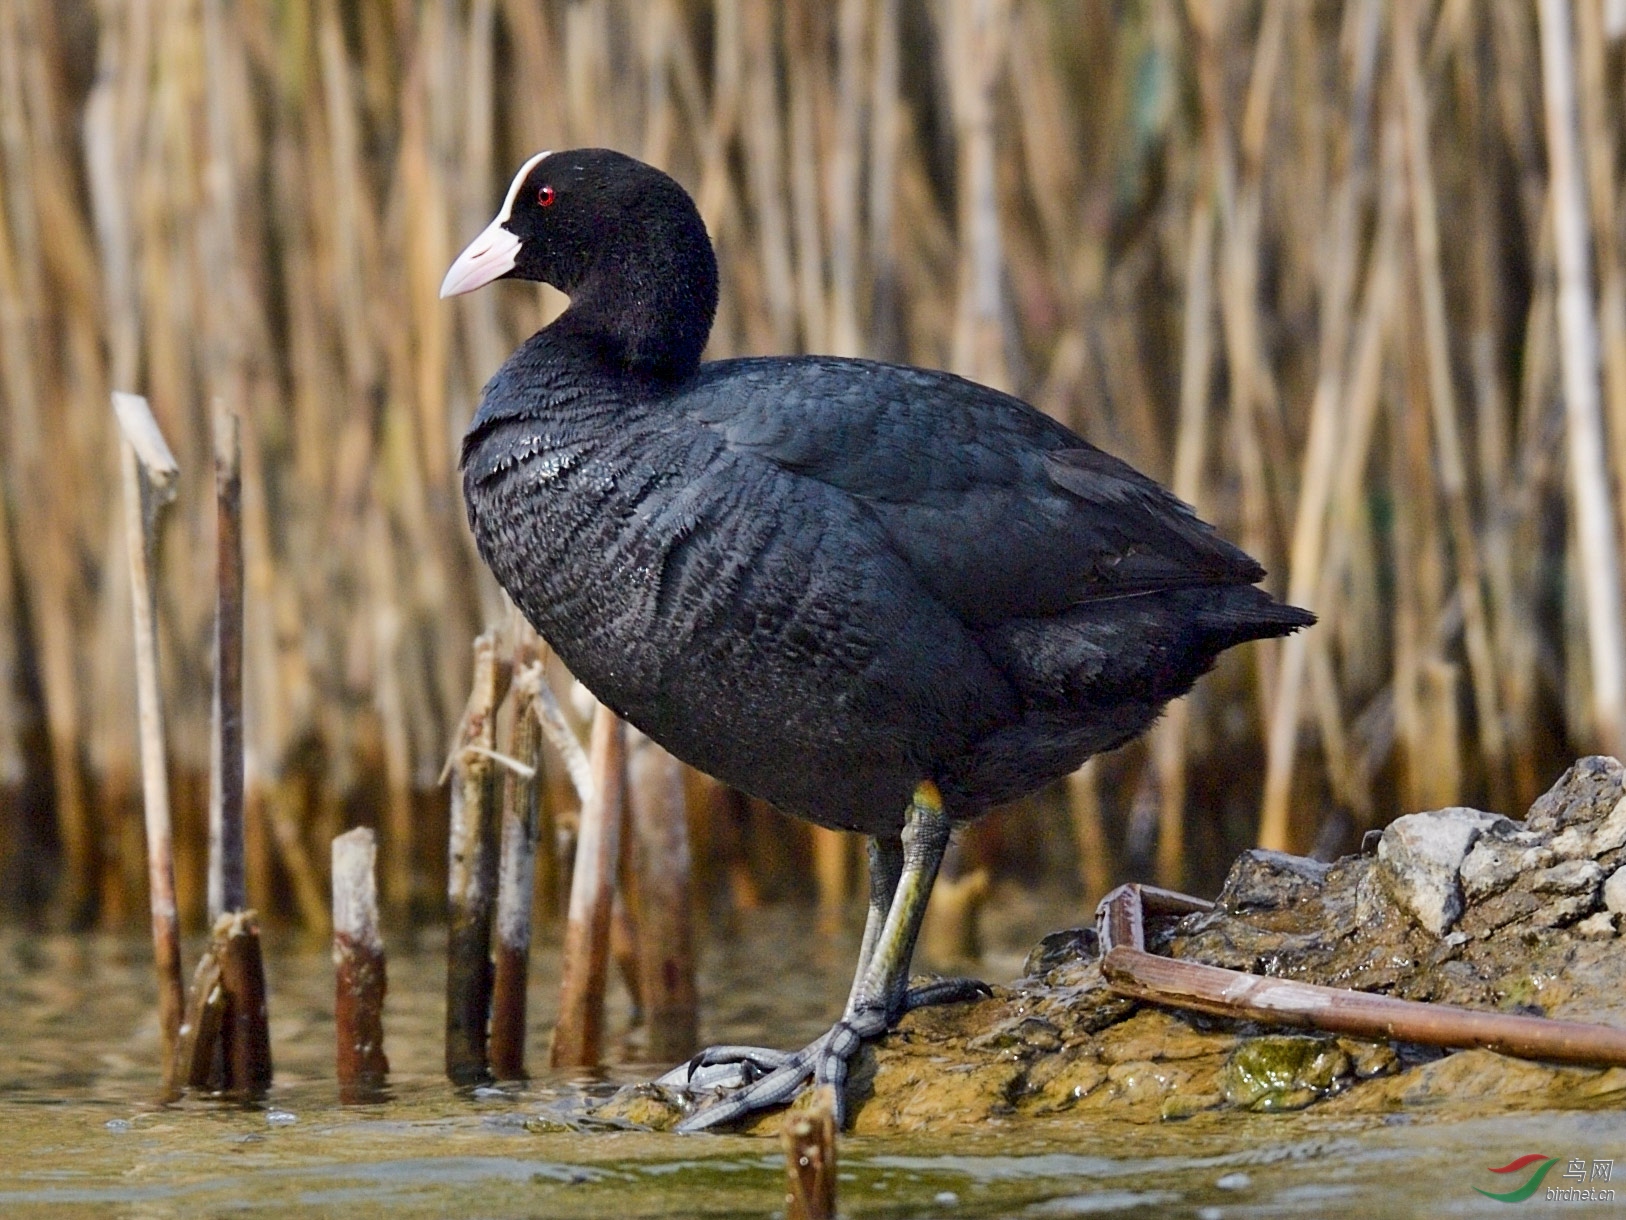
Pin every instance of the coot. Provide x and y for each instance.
(881, 598)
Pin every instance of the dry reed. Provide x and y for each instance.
(1160, 223)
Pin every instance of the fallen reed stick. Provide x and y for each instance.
(658, 816)
(808, 1137)
(1132, 971)
(149, 475)
(472, 871)
(516, 879)
(360, 977)
(579, 1035)
(227, 887)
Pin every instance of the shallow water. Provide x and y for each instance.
(80, 1134)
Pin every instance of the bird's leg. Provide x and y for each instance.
(880, 992)
(733, 1067)
(885, 870)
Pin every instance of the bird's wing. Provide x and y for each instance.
(999, 511)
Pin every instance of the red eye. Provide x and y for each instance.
(546, 196)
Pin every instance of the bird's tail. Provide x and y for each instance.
(1240, 613)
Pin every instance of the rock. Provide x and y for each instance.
(1183, 1105)
(1060, 949)
(1611, 833)
(1573, 843)
(1562, 911)
(1496, 861)
(1283, 1072)
(1598, 926)
(1588, 792)
(1570, 877)
(1456, 906)
(1420, 857)
(1614, 891)
(1263, 880)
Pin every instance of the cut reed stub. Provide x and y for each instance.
(360, 979)
(657, 819)
(516, 885)
(149, 475)
(578, 1038)
(245, 1031)
(197, 1062)
(225, 1042)
(809, 1139)
(472, 870)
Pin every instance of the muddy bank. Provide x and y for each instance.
(1454, 906)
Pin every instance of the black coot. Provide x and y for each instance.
(882, 598)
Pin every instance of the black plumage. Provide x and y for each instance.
(821, 580)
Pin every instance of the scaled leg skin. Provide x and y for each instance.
(722, 1068)
(880, 993)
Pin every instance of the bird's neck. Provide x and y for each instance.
(646, 314)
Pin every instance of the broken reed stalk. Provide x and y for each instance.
(1132, 971)
(245, 1031)
(578, 1038)
(472, 871)
(1596, 528)
(149, 474)
(516, 878)
(658, 816)
(197, 1062)
(808, 1137)
(225, 1045)
(227, 888)
(563, 739)
(360, 977)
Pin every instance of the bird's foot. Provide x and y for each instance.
(945, 991)
(746, 1079)
(720, 1068)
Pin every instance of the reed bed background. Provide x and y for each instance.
(1330, 270)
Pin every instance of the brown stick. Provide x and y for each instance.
(227, 888)
(196, 1063)
(516, 880)
(360, 977)
(661, 869)
(1130, 970)
(809, 1140)
(578, 1037)
(245, 1031)
(149, 479)
(472, 874)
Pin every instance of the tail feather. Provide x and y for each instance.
(1245, 612)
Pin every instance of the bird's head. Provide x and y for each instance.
(620, 238)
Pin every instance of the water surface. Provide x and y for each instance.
(81, 1135)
